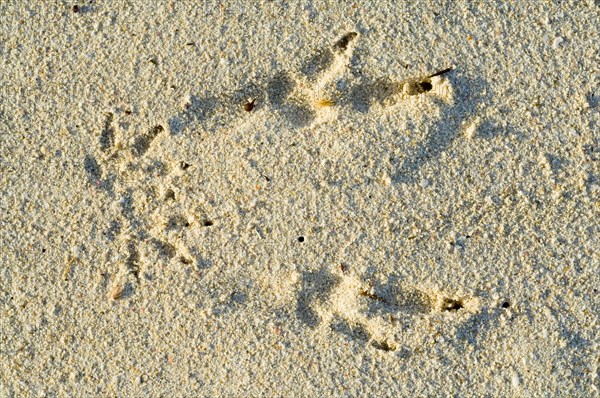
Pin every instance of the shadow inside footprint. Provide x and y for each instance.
(114, 228)
(201, 109)
(324, 58)
(142, 143)
(94, 173)
(164, 249)
(127, 206)
(342, 44)
(362, 95)
(316, 288)
(391, 298)
(92, 168)
(317, 63)
(354, 332)
(132, 263)
(443, 133)
(296, 113)
(198, 109)
(107, 136)
(176, 223)
(279, 89)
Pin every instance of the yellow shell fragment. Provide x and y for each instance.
(323, 103)
(117, 292)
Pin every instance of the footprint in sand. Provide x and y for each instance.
(132, 173)
(367, 313)
(147, 223)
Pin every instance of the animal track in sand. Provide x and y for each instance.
(367, 313)
(147, 224)
(135, 175)
(300, 96)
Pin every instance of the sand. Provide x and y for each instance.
(280, 200)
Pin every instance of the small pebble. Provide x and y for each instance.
(471, 130)
(386, 179)
(557, 42)
(249, 105)
(515, 380)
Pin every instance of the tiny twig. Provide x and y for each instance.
(440, 72)
(372, 296)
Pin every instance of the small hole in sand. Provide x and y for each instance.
(184, 165)
(207, 223)
(301, 239)
(384, 346)
(426, 86)
(342, 43)
(452, 305)
(169, 194)
(505, 304)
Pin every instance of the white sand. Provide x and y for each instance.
(123, 135)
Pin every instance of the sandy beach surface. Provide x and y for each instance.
(299, 199)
